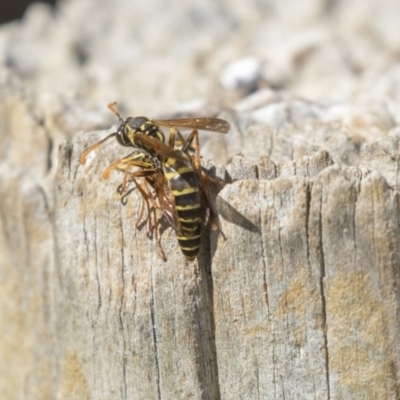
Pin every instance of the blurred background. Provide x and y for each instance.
(323, 50)
(277, 63)
(15, 9)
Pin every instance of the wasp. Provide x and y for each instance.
(172, 170)
(156, 194)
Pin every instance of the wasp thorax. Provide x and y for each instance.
(145, 126)
(137, 123)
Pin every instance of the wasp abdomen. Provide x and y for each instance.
(185, 190)
(190, 244)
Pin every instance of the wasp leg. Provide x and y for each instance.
(146, 194)
(171, 140)
(135, 159)
(143, 203)
(122, 186)
(188, 145)
(180, 142)
(152, 220)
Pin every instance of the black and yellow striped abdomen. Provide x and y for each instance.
(184, 187)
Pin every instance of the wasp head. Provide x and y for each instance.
(129, 127)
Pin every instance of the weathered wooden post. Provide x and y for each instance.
(299, 301)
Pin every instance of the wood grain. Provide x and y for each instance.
(301, 300)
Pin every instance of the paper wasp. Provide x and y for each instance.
(172, 170)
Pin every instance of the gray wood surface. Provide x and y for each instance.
(301, 300)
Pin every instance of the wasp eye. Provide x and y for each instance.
(120, 138)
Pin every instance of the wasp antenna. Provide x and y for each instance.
(111, 106)
(83, 156)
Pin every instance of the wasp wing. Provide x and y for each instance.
(205, 124)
